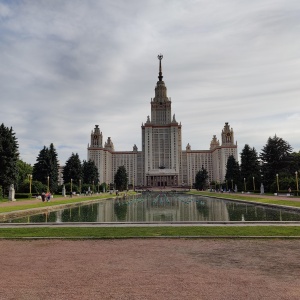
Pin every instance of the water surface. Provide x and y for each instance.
(163, 207)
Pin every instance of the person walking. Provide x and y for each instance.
(48, 196)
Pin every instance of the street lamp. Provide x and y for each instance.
(296, 173)
(253, 184)
(71, 185)
(48, 184)
(245, 184)
(277, 182)
(30, 182)
(79, 186)
(93, 186)
(232, 184)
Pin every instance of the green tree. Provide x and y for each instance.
(53, 171)
(121, 179)
(201, 179)
(295, 165)
(104, 187)
(250, 166)
(41, 168)
(24, 170)
(276, 158)
(8, 158)
(90, 172)
(47, 167)
(73, 169)
(233, 175)
(36, 187)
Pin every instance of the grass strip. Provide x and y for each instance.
(167, 231)
(54, 202)
(258, 199)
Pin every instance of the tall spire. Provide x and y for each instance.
(160, 57)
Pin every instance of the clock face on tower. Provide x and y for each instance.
(228, 134)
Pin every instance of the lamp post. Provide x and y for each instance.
(253, 184)
(48, 184)
(277, 182)
(30, 182)
(71, 185)
(232, 184)
(79, 186)
(226, 185)
(296, 173)
(93, 186)
(245, 184)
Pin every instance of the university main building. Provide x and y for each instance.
(162, 162)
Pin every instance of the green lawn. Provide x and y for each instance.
(53, 202)
(167, 231)
(257, 199)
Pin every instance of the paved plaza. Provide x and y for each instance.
(150, 269)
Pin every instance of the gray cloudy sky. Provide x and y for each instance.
(68, 65)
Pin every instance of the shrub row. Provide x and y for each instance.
(23, 195)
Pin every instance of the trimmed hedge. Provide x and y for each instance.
(23, 196)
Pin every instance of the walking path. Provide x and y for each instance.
(153, 269)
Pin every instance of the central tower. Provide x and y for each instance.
(161, 140)
(160, 104)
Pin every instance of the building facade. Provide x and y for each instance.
(161, 161)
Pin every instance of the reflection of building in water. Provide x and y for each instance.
(175, 209)
(162, 162)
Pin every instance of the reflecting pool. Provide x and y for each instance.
(163, 207)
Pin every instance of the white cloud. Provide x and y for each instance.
(66, 66)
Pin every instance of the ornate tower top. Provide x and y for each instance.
(96, 137)
(227, 135)
(160, 104)
(160, 57)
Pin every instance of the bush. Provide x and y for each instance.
(23, 196)
(36, 187)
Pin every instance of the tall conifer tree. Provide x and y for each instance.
(276, 158)
(47, 166)
(250, 167)
(73, 169)
(201, 179)
(8, 157)
(90, 172)
(233, 175)
(121, 179)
